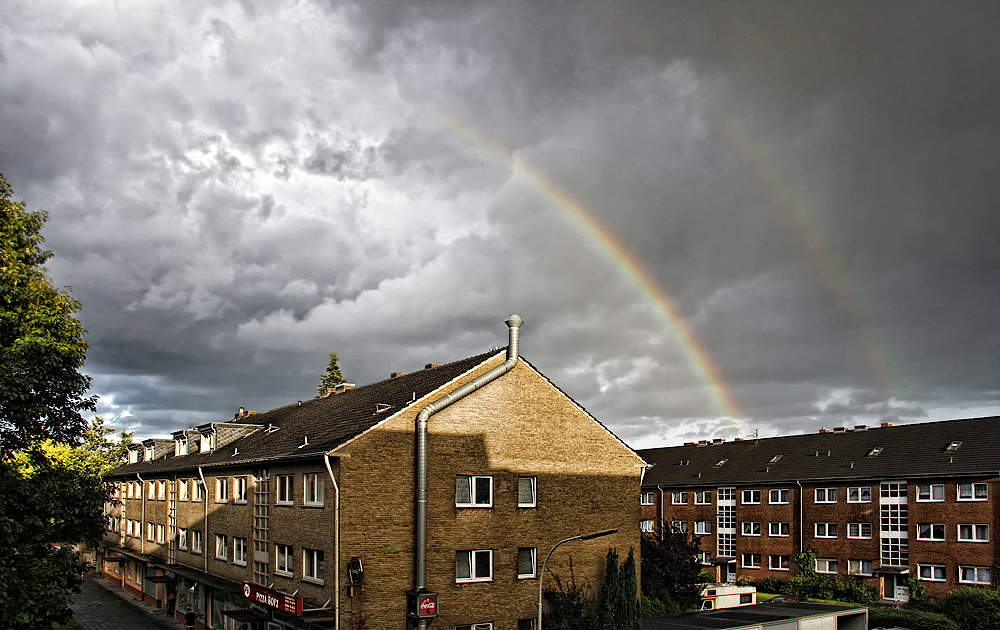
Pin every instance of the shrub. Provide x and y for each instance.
(771, 585)
(973, 608)
(653, 606)
(705, 576)
(913, 619)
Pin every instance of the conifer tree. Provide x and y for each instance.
(333, 375)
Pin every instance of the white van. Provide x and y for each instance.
(715, 596)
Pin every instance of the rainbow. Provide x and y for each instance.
(792, 209)
(698, 357)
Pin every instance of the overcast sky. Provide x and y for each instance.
(716, 218)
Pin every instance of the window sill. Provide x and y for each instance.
(472, 506)
(313, 581)
(527, 577)
(222, 501)
(240, 502)
(282, 573)
(473, 581)
(223, 558)
(933, 580)
(773, 569)
(241, 564)
(313, 505)
(285, 503)
(527, 505)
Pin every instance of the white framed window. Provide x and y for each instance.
(221, 546)
(703, 527)
(827, 565)
(150, 532)
(283, 486)
(149, 454)
(197, 490)
(826, 495)
(128, 527)
(930, 531)
(240, 551)
(283, 558)
(750, 560)
(151, 490)
(221, 489)
(207, 442)
(968, 532)
(859, 530)
(860, 494)
(930, 492)
(182, 490)
(972, 492)
(527, 558)
(751, 497)
(778, 529)
(646, 526)
(703, 497)
(705, 557)
(480, 626)
(826, 530)
(777, 496)
(180, 447)
(974, 575)
(161, 534)
(646, 498)
(474, 565)
(196, 541)
(161, 490)
(527, 492)
(931, 572)
(778, 563)
(182, 538)
(312, 489)
(240, 489)
(679, 498)
(751, 528)
(129, 490)
(474, 491)
(679, 526)
(859, 567)
(312, 565)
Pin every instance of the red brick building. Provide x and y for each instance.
(881, 503)
(305, 516)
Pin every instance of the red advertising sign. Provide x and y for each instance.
(428, 606)
(273, 599)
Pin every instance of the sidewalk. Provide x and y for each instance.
(155, 614)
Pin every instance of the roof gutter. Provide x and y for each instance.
(420, 437)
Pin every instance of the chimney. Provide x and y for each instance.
(327, 391)
(824, 430)
(343, 387)
(432, 365)
(397, 374)
(718, 441)
(861, 427)
(886, 425)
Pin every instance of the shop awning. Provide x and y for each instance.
(142, 557)
(246, 614)
(159, 579)
(211, 581)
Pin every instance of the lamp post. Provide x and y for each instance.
(541, 576)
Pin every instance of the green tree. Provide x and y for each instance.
(333, 376)
(670, 565)
(46, 502)
(973, 607)
(629, 619)
(42, 392)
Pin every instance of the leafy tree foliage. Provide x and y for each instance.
(51, 494)
(973, 607)
(670, 566)
(42, 392)
(572, 607)
(333, 376)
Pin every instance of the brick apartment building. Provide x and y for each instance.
(880, 503)
(309, 516)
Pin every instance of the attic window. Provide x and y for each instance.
(774, 459)
(382, 407)
(721, 462)
(149, 453)
(953, 446)
(180, 447)
(875, 451)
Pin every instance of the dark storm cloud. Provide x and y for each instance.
(237, 188)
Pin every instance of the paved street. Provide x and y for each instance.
(108, 608)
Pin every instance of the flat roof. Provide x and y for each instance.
(746, 616)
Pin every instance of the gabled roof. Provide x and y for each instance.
(327, 422)
(907, 451)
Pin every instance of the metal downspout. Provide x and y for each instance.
(659, 526)
(420, 435)
(336, 549)
(142, 536)
(801, 501)
(204, 499)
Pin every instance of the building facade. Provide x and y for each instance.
(304, 516)
(880, 503)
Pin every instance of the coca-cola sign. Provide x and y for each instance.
(273, 599)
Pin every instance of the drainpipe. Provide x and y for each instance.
(336, 549)
(659, 525)
(142, 536)
(420, 436)
(204, 499)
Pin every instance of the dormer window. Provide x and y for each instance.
(133, 455)
(180, 447)
(207, 442)
(148, 454)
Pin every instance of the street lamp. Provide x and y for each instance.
(541, 577)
